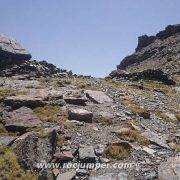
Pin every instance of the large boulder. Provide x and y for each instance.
(98, 97)
(21, 119)
(31, 150)
(10, 49)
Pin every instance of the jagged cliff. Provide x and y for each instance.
(156, 57)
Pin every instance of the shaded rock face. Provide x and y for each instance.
(157, 53)
(11, 50)
(30, 150)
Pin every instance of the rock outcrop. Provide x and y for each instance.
(11, 50)
(156, 57)
(15, 60)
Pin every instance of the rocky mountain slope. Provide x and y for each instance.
(156, 57)
(115, 129)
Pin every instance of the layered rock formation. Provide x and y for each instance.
(156, 57)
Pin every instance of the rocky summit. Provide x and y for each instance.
(58, 125)
(155, 58)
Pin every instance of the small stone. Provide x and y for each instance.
(78, 123)
(104, 160)
(67, 175)
(99, 150)
(148, 150)
(64, 156)
(82, 172)
(55, 172)
(151, 176)
(86, 154)
(95, 128)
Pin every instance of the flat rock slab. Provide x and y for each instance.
(110, 176)
(98, 97)
(80, 115)
(21, 119)
(155, 138)
(6, 140)
(169, 169)
(66, 176)
(24, 100)
(86, 154)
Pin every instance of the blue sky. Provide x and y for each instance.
(85, 36)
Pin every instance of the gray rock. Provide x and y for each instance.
(86, 154)
(21, 119)
(98, 97)
(66, 176)
(80, 115)
(104, 160)
(110, 176)
(6, 140)
(24, 100)
(169, 169)
(64, 156)
(82, 172)
(78, 123)
(30, 150)
(155, 138)
(106, 115)
(148, 150)
(151, 176)
(99, 150)
(11, 49)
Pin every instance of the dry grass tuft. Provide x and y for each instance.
(117, 151)
(51, 113)
(178, 116)
(9, 167)
(104, 120)
(133, 136)
(136, 109)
